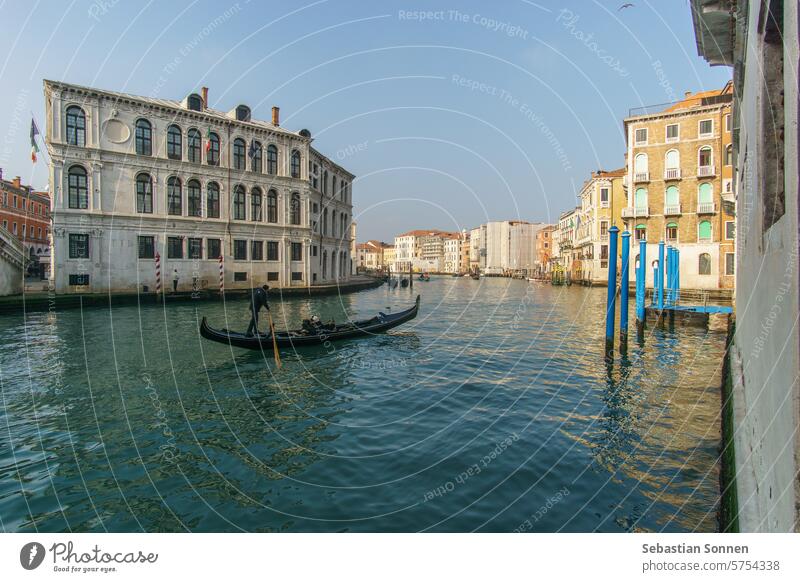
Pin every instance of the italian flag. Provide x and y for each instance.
(208, 139)
(34, 147)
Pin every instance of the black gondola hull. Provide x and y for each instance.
(294, 339)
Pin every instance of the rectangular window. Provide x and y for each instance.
(147, 247)
(730, 264)
(257, 250)
(730, 230)
(314, 251)
(79, 279)
(673, 132)
(706, 128)
(79, 246)
(604, 252)
(195, 248)
(297, 276)
(240, 276)
(24, 231)
(240, 250)
(174, 247)
(297, 251)
(272, 250)
(603, 228)
(39, 233)
(15, 228)
(5, 224)
(640, 136)
(604, 197)
(728, 123)
(214, 246)
(272, 276)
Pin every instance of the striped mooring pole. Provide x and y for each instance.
(221, 277)
(624, 288)
(157, 260)
(611, 298)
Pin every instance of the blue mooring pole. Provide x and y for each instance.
(673, 271)
(677, 297)
(668, 291)
(623, 282)
(641, 279)
(611, 299)
(661, 275)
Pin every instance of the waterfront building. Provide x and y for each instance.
(510, 247)
(679, 179)
(565, 237)
(451, 244)
(544, 250)
(477, 249)
(370, 255)
(464, 263)
(25, 214)
(761, 487)
(602, 201)
(389, 257)
(134, 177)
(420, 250)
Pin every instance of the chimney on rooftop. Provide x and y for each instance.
(16, 182)
(687, 94)
(276, 116)
(204, 93)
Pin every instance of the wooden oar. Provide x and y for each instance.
(274, 341)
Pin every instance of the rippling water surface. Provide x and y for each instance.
(492, 411)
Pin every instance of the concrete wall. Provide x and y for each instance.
(12, 260)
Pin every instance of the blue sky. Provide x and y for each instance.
(451, 113)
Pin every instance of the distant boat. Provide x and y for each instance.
(404, 283)
(424, 277)
(475, 276)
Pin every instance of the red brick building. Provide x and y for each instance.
(25, 213)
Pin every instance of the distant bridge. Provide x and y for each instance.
(12, 263)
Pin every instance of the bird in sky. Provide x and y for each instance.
(627, 5)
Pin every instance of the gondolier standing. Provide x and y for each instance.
(258, 299)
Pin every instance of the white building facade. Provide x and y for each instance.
(133, 178)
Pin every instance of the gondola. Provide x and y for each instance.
(424, 277)
(300, 338)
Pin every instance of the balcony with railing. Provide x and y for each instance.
(706, 208)
(641, 176)
(672, 209)
(632, 212)
(705, 171)
(672, 174)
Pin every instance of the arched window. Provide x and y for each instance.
(325, 182)
(238, 154)
(78, 188)
(239, 210)
(294, 216)
(243, 113)
(640, 200)
(640, 167)
(333, 264)
(194, 198)
(325, 222)
(144, 194)
(729, 155)
(193, 145)
(174, 196)
(672, 197)
(704, 157)
(334, 193)
(672, 231)
(295, 164)
(174, 142)
(704, 231)
(272, 159)
(195, 102)
(641, 232)
(256, 156)
(333, 223)
(705, 193)
(272, 206)
(672, 160)
(144, 138)
(256, 200)
(324, 264)
(212, 200)
(704, 264)
(212, 149)
(76, 126)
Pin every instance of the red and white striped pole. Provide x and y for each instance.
(221, 277)
(158, 274)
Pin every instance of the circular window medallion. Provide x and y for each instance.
(116, 131)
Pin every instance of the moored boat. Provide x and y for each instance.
(302, 337)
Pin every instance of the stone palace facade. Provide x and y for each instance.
(135, 177)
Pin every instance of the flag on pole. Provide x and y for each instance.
(34, 147)
(208, 139)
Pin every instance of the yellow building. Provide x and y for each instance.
(679, 180)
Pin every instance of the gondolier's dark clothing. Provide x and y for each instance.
(258, 299)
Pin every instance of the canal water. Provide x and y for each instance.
(492, 411)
